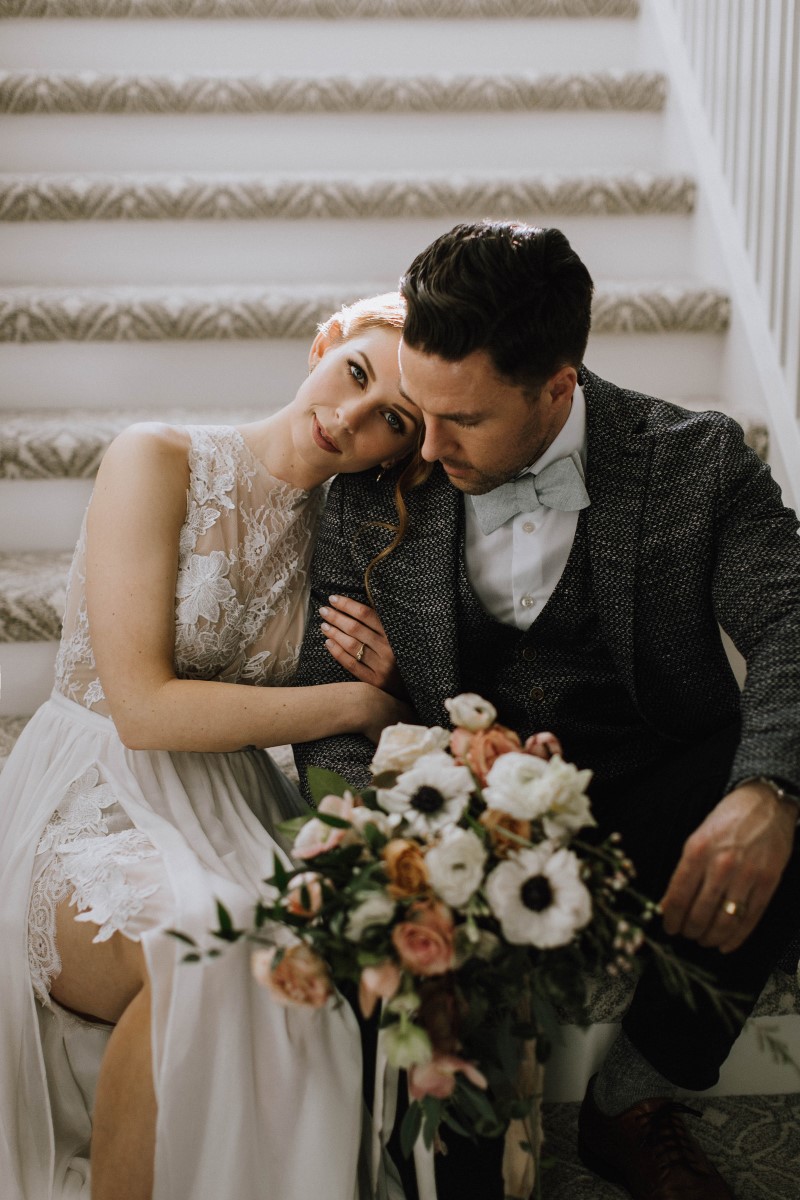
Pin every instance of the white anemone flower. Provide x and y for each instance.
(528, 787)
(455, 866)
(433, 794)
(401, 746)
(538, 897)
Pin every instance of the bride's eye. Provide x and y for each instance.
(358, 372)
(394, 422)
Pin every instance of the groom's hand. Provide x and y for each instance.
(730, 868)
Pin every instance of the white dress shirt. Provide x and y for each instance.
(515, 569)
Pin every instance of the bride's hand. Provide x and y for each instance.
(355, 637)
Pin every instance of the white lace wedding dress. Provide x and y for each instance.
(255, 1101)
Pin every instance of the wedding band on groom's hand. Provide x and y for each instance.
(733, 908)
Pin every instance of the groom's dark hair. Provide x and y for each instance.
(520, 293)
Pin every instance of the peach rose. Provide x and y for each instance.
(496, 821)
(542, 745)
(316, 837)
(478, 751)
(425, 943)
(437, 1078)
(377, 983)
(405, 866)
(300, 977)
(311, 882)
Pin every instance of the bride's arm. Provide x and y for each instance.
(134, 522)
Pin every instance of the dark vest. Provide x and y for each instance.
(558, 675)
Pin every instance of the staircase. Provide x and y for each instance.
(188, 186)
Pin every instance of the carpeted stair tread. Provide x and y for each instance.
(213, 313)
(128, 92)
(69, 443)
(203, 196)
(322, 9)
(32, 594)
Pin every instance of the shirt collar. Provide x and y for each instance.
(570, 438)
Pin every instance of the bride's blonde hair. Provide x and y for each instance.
(375, 312)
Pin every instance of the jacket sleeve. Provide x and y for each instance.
(756, 592)
(333, 572)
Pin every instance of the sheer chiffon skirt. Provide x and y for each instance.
(255, 1101)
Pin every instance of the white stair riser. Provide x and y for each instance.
(748, 1071)
(26, 676)
(390, 47)
(249, 374)
(47, 513)
(311, 251)
(463, 142)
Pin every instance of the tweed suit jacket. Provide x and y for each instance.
(687, 532)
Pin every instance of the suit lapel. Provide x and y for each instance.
(619, 453)
(416, 596)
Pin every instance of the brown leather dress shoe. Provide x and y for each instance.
(648, 1150)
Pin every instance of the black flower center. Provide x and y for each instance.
(427, 800)
(537, 893)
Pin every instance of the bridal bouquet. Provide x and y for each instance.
(464, 889)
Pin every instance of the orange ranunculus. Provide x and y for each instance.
(300, 978)
(405, 866)
(497, 821)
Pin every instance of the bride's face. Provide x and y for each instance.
(349, 415)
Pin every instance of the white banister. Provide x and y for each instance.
(745, 57)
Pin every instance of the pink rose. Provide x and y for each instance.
(425, 943)
(438, 1077)
(542, 745)
(479, 750)
(300, 977)
(316, 837)
(312, 884)
(377, 983)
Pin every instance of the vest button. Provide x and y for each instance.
(529, 653)
(536, 693)
(528, 601)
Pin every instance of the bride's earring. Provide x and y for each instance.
(382, 469)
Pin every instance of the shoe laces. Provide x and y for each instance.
(665, 1133)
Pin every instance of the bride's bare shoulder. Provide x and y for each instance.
(149, 442)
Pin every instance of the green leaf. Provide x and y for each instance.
(182, 937)
(226, 931)
(409, 1130)
(322, 783)
(191, 958)
(292, 826)
(335, 822)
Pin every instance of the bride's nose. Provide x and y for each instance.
(351, 414)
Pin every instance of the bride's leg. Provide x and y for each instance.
(108, 981)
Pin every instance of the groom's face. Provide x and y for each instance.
(482, 429)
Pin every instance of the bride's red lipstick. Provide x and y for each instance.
(321, 438)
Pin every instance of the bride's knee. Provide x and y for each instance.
(97, 979)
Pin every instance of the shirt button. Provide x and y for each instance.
(536, 693)
(528, 526)
(527, 601)
(529, 653)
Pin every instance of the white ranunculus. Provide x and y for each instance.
(471, 711)
(433, 794)
(376, 909)
(400, 746)
(455, 865)
(538, 897)
(528, 787)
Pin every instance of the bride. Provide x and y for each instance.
(136, 798)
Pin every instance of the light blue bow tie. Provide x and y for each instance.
(558, 485)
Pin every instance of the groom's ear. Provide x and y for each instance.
(323, 341)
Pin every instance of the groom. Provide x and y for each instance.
(571, 557)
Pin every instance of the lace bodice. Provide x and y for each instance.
(242, 583)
